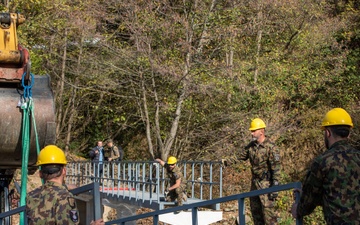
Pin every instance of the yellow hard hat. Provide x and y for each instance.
(171, 160)
(257, 124)
(337, 116)
(51, 154)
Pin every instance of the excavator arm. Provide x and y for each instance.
(14, 59)
(14, 73)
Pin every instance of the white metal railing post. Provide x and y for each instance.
(157, 182)
(193, 179)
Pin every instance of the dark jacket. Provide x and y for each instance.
(95, 156)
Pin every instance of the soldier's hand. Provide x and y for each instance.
(71, 186)
(272, 196)
(296, 191)
(224, 162)
(166, 192)
(97, 222)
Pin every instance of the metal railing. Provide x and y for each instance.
(93, 187)
(147, 180)
(194, 207)
(5, 215)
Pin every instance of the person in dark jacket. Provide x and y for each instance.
(98, 157)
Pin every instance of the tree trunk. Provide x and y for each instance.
(61, 89)
(146, 117)
(258, 40)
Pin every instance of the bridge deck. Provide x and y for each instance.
(145, 199)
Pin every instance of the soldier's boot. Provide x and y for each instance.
(179, 203)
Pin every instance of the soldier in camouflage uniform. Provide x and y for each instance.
(116, 154)
(177, 189)
(333, 179)
(264, 158)
(52, 203)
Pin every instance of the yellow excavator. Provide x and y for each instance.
(17, 83)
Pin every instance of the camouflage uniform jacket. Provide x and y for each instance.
(114, 153)
(333, 182)
(264, 159)
(51, 204)
(174, 175)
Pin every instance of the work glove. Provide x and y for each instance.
(224, 163)
(272, 196)
(166, 192)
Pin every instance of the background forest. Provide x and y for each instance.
(185, 78)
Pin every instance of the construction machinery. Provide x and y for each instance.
(18, 87)
(14, 73)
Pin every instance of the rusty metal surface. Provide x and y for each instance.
(13, 64)
(11, 122)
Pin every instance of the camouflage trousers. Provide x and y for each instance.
(114, 172)
(177, 194)
(262, 209)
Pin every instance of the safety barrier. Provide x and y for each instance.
(93, 188)
(193, 207)
(146, 180)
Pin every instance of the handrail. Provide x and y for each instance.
(155, 214)
(204, 178)
(11, 212)
(239, 197)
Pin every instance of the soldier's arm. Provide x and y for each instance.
(242, 155)
(311, 191)
(162, 163)
(274, 160)
(116, 151)
(176, 185)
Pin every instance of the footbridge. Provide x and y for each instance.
(127, 186)
(143, 183)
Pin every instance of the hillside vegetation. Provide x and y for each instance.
(185, 78)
